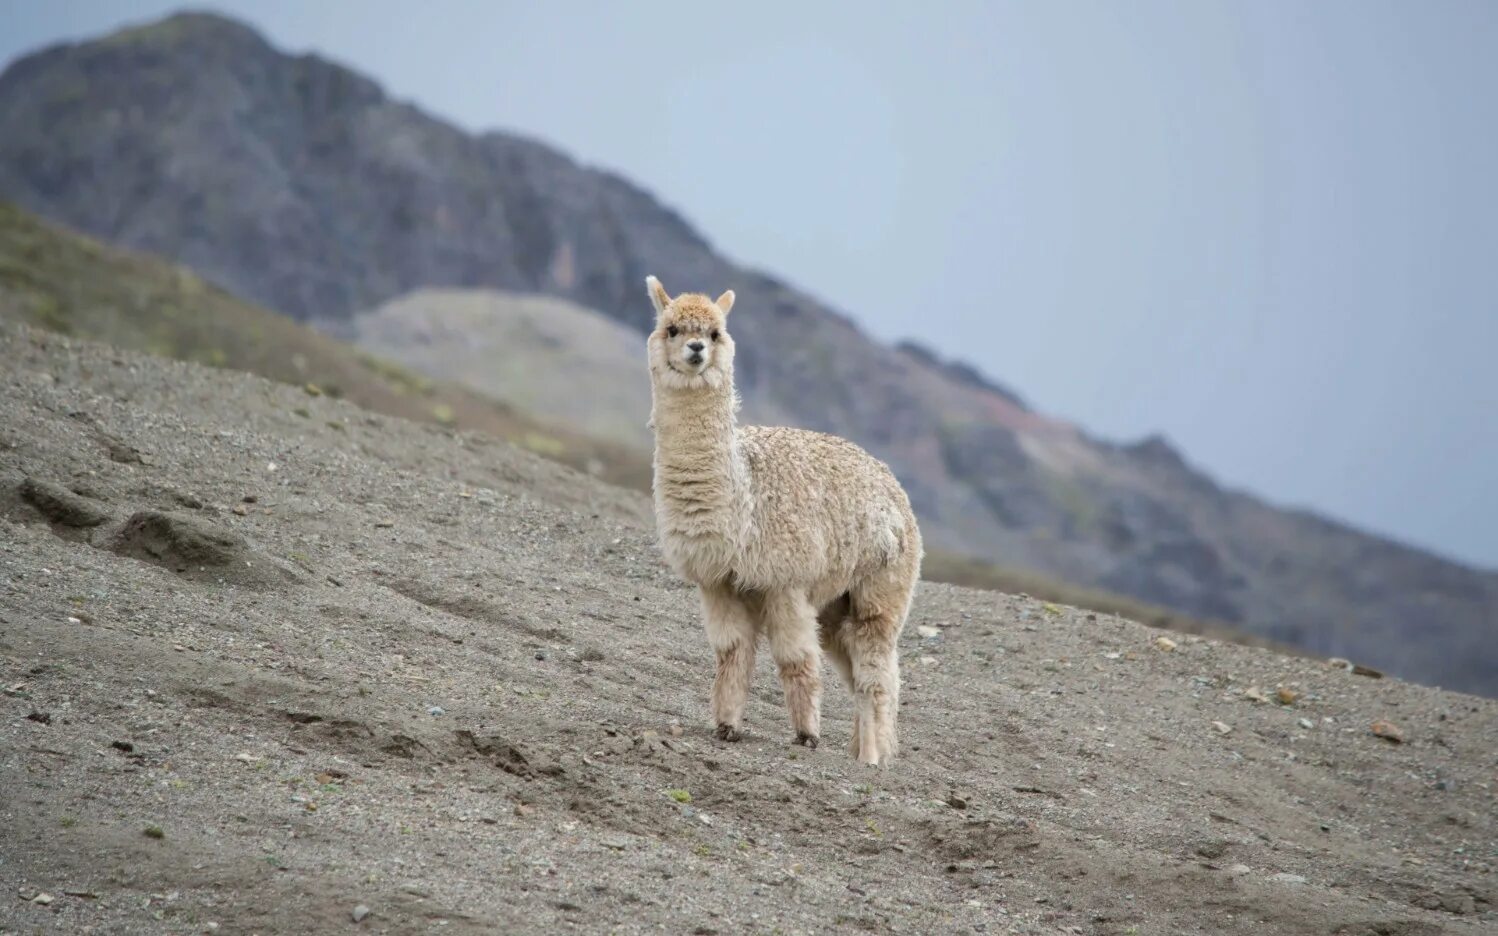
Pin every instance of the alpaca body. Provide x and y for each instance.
(797, 537)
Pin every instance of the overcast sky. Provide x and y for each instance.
(1267, 230)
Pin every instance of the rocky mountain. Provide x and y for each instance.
(302, 185)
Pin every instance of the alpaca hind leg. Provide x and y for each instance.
(730, 632)
(872, 636)
(831, 634)
(790, 624)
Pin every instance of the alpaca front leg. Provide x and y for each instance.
(791, 626)
(730, 632)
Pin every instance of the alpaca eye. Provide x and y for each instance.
(671, 332)
(715, 334)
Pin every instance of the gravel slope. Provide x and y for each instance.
(431, 677)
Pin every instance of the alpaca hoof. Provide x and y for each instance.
(808, 740)
(728, 733)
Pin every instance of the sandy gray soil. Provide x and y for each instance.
(431, 677)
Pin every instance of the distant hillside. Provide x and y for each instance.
(302, 185)
(71, 284)
(546, 357)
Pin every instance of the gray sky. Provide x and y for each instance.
(1268, 230)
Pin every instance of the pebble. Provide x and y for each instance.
(926, 630)
(43, 899)
(1286, 696)
(541, 654)
(927, 661)
(1222, 727)
(1306, 723)
(1285, 877)
(1165, 644)
(360, 912)
(1255, 694)
(436, 710)
(1240, 869)
(1388, 731)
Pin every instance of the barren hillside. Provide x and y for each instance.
(269, 674)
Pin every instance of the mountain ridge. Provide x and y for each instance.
(300, 184)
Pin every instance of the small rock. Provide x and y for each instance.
(926, 630)
(41, 718)
(1240, 869)
(675, 731)
(1306, 723)
(155, 832)
(241, 510)
(1165, 644)
(250, 499)
(927, 660)
(1255, 694)
(436, 710)
(384, 524)
(313, 389)
(522, 810)
(1285, 877)
(360, 912)
(541, 654)
(956, 802)
(1286, 696)
(1222, 727)
(1360, 670)
(43, 899)
(123, 746)
(1388, 731)
(1338, 663)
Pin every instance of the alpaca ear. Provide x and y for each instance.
(658, 297)
(725, 302)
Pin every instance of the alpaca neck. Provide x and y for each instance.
(700, 481)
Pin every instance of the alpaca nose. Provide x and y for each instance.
(695, 347)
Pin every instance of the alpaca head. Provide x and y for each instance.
(690, 347)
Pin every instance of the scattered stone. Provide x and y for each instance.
(1306, 723)
(1165, 644)
(241, 510)
(384, 524)
(436, 710)
(360, 912)
(927, 660)
(124, 746)
(541, 654)
(43, 899)
(522, 810)
(250, 499)
(956, 802)
(1222, 727)
(1255, 694)
(313, 389)
(675, 730)
(1338, 663)
(1286, 696)
(41, 718)
(1370, 672)
(1238, 870)
(1285, 877)
(926, 630)
(154, 831)
(1388, 731)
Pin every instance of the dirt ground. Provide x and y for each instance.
(267, 672)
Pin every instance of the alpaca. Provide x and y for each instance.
(796, 536)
